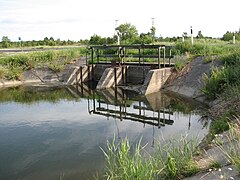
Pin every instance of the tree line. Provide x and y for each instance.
(127, 33)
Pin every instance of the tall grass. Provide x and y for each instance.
(123, 162)
(174, 160)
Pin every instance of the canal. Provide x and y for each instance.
(56, 132)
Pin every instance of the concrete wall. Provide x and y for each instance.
(107, 76)
(155, 80)
(80, 74)
(111, 77)
(98, 71)
(132, 74)
(137, 74)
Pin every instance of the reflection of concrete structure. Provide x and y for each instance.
(115, 102)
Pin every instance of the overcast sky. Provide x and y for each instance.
(78, 19)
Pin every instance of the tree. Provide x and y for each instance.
(200, 34)
(5, 42)
(153, 32)
(97, 40)
(229, 36)
(127, 32)
(145, 38)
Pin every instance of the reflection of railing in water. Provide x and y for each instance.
(100, 103)
(133, 117)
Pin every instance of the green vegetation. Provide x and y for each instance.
(173, 160)
(223, 78)
(228, 36)
(221, 124)
(205, 48)
(15, 64)
(7, 43)
(231, 150)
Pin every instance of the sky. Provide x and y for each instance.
(78, 19)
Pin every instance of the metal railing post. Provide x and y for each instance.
(159, 56)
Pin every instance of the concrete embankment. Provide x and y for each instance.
(154, 80)
(189, 81)
(39, 75)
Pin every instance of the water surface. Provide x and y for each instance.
(56, 132)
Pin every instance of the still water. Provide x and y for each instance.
(57, 132)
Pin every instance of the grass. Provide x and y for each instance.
(54, 59)
(231, 150)
(224, 77)
(174, 160)
(205, 48)
(122, 164)
(180, 62)
(221, 124)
